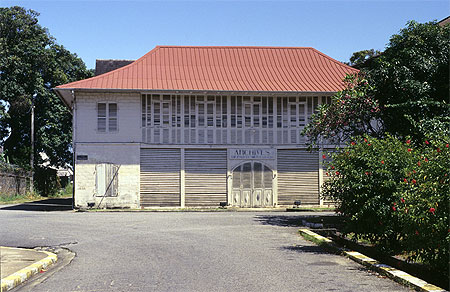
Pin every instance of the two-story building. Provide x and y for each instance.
(197, 126)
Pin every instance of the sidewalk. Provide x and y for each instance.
(18, 264)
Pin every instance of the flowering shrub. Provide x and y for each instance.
(351, 112)
(395, 193)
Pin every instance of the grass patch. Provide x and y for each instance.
(325, 245)
(6, 199)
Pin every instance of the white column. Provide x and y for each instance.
(182, 181)
(320, 174)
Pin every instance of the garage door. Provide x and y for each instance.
(160, 177)
(298, 177)
(205, 177)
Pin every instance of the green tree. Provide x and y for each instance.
(360, 57)
(409, 81)
(411, 78)
(31, 62)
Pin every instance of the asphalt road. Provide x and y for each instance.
(217, 251)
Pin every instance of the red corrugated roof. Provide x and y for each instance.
(225, 69)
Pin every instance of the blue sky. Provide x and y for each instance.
(128, 29)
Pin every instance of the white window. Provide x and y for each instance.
(107, 117)
(106, 179)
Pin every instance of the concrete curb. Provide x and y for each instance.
(24, 274)
(396, 275)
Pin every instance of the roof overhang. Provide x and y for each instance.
(68, 94)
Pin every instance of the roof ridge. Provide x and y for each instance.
(234, 47)
(334, 60)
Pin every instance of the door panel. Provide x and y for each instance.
(252, 185)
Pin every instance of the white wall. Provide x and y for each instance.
(129, 117)
(125, 155)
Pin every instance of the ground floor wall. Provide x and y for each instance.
(107, 175)
(138, 175)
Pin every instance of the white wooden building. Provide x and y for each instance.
(197, 126)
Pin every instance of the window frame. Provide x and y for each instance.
(107, 117)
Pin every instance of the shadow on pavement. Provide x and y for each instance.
(306, 249)
(54, 204)
(284, 221)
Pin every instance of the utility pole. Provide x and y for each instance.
(32, 143)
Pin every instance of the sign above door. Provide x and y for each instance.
(251, 153)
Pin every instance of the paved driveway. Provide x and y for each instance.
(230, 251)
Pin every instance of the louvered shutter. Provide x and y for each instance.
(205, 177)
(298, 177)
(160, 177)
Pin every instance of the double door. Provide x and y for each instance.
(252, 185)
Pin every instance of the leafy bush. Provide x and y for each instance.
(46, 181)
(396, 195)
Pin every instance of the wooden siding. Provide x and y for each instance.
(298, 177)
(160, 177)
(205, 177)
(86, 118)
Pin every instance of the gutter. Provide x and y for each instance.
(203, 91)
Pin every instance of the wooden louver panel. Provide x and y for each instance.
(160, 177)
(298, 177)
(205, 177)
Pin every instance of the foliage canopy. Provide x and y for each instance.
(31, 62)
(409, 82)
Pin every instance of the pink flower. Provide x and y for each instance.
(324, 156)
(393, 208)
(366, 173)
(413, 181)
(438, 150)
(446, 145)
(405, 180)
(418, 163)
(402, 200)
(365, 140)
(432, 210)
(408, 141)
(426, 159)
(353, 143)
(337, 172)
(417, 232)
(409, 149)
(426, 142)
(382, 161)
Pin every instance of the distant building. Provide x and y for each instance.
(105, 66)
(200, 126)
(65, 173)
(444, 21)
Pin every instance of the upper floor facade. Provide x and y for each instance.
(193, 119)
